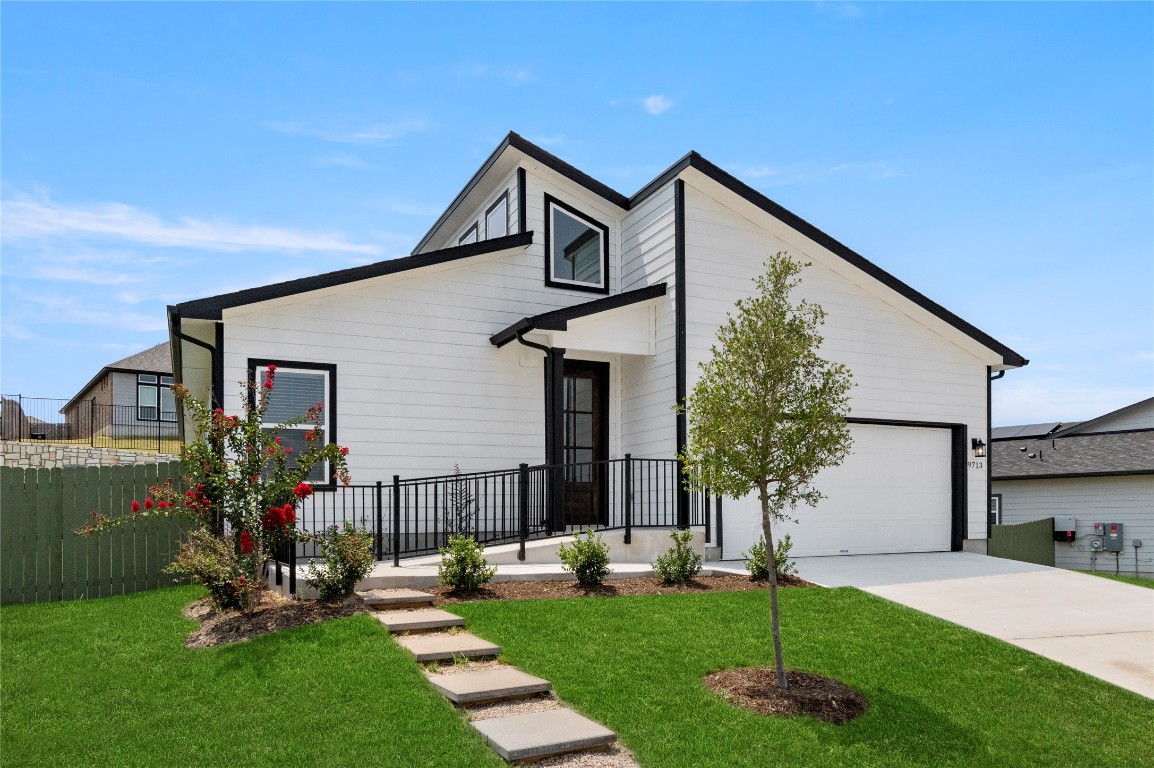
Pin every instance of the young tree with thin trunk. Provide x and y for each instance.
(768, 412)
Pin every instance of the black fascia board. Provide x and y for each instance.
(1058, 475)
(749, 194)
(558, 319)
(1075, 431)
(211, 308)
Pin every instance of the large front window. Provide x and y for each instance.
(576, 249)
(154, 398)
(298, 387)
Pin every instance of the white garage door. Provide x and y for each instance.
(892, 494)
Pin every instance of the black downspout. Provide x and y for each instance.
(990, 445)
(681, 357)
(554, 426)
(522, 213)
(218, 368)
(174, 324)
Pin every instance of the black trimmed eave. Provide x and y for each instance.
(741, 189)
(1074, 475)
(558, 319)
(212, 308)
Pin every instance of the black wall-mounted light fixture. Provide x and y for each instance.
(979, 446)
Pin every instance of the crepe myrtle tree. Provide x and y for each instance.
(243, 486)
(768, 412)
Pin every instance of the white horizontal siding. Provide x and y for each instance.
(902, 369)
(507, 184)
(1124, 499)
(649, 427)
(1139, 418)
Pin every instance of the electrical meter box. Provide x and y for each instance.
(1112, 540)
(1064, 528)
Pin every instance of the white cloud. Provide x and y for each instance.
(343, 161)
(28, 219)
(16, 332)
(809, 172)
(66, 309)
(1055, 399)
(656, 104)
(377, 133)
(66, 274)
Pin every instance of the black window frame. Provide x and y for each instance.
(573, 285)
(255, 363)
(501, 198)
(156, 386)
(476, 230)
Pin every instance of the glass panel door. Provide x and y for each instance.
(584, 441)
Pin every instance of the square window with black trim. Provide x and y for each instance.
(154, 398)
(576, 249)
(296, 388)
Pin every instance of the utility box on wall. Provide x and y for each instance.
(1064, 528)
(1112, 537)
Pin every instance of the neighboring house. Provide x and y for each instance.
(128, 398)
(1096, 471)
(548, 319)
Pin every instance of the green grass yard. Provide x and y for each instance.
(107, 683)
(1135, 580)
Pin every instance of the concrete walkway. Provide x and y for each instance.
(1103, 628)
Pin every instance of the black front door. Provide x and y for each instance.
(585, 441)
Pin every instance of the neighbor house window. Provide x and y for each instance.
(576, 249)
(497, 218)
(154, 398)
(296, 388)
(470, 235)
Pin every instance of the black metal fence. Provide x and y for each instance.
(99, 425)
(414, 517)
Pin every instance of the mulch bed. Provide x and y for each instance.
(755, 689)
(273, 614)
(277, 613)
(650, 585)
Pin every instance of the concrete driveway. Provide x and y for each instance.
(1103, 628)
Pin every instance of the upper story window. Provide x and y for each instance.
(497, 218)
(470, 235)
(576, 249)
(154, 398)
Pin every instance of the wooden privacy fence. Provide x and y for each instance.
(1031, 542)
(42, 560)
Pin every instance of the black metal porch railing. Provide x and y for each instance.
(413, 517)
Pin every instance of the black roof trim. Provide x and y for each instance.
(1059, 476)
(531, 150)
(212, 307)
(558, 319)
(746, 192)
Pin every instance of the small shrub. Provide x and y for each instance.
(587, 558)
(463, 564)
(757, 561)
(211, 561)
(680, 564)
(348, 558)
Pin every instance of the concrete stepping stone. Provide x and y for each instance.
(396, 598)
(488, 685)
(541, 734)
(421, 619)
(441, 647)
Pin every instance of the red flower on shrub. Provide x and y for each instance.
(246, 545)
(135, 505)
(303, 490)
(148, 503)
(344, 450)
(162, 505)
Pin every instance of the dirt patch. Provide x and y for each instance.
(273, 614)
(755, 689)
(650, 585)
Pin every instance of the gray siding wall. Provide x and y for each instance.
(1139, 418)
(1125, 499)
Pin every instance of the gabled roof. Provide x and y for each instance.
(157, 360)
(212, 307)
(1118, 453)
(1092, 425)
(558, 319)
(693, 160)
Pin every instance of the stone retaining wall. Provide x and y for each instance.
(50, 456)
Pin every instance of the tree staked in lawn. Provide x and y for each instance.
(768, 412)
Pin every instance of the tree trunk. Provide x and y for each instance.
(767, 531)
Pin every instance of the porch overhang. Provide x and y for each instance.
(613, 324)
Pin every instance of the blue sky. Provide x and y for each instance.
(997, 157)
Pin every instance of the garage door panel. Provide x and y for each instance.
(892, 494)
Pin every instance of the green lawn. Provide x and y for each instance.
(1148, 583)
(107, 683)
(939, 695)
